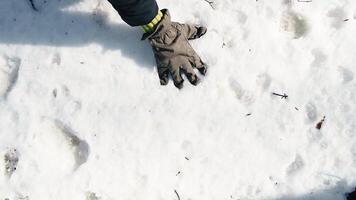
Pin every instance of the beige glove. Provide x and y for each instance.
(172, 51)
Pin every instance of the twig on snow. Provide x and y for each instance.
(211, 3)
(175, 191)
(33, 5)
(305, 1)
(284, 96)
(320, 124)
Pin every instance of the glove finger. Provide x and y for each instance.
(189, 72)
(202, 69)
(200, 32)
(176, 76)
(196, 61)
(163, 73)
(191, 32)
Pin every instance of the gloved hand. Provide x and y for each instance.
(172, 51)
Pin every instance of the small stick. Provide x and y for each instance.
(175, 191)
(210, 3)
(284, 96)
(320, 124)
(33, 5)
(186, 158)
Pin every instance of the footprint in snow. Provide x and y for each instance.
(242, 95)
(65, 91)
(80, 147)
(99, 16)
(294, 23)
(241, 17)
(56, 59)
(58, 147)
(264, 81)
(353, 151)
(287, 3)
(350, 130)
(69, 103)
(319, 58)
(295, 166)
(253, 191)
(315, 137)
(20, 196)
(9, 75)
(311, 112)
(11, 159)
(91, 196)
(346, 75)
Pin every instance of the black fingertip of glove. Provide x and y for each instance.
(163, 81)
(201, 31)
(179, 85)
(352, 195)
(203, 70)
(163, 77)
(194, 80)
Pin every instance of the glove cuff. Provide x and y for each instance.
(150, 27)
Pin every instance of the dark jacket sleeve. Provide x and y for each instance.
(136, 12)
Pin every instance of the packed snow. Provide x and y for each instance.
(83, 116)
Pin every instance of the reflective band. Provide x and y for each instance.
(150, 26)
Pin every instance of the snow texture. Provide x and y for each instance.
(83, 116)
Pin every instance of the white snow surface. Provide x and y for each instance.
(83, 116)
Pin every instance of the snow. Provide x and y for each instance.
(82, 114)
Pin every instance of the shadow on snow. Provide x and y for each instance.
(339, 192)
(54, 26)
